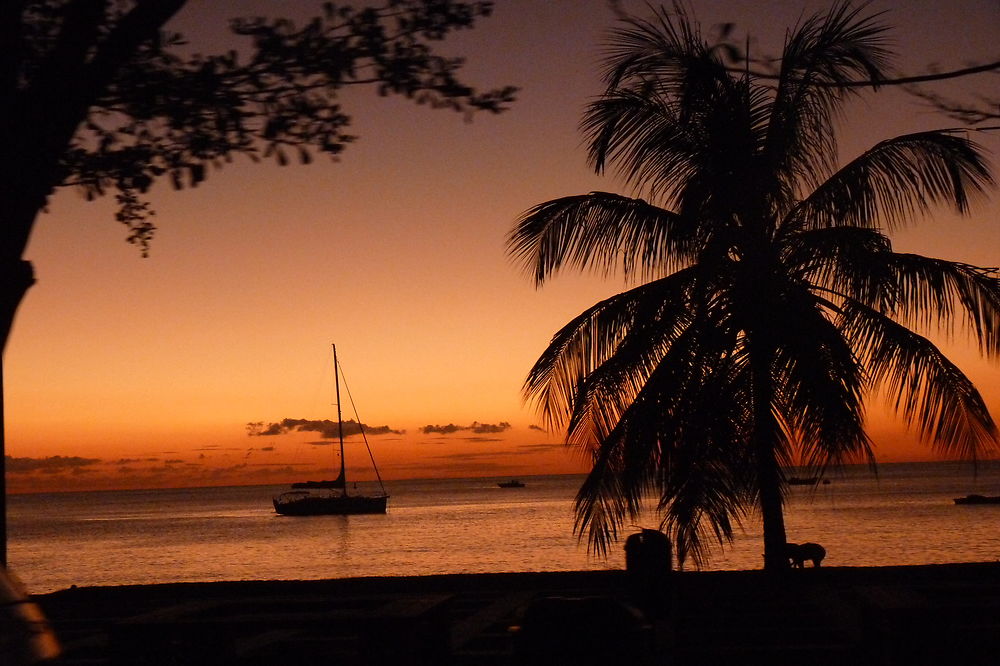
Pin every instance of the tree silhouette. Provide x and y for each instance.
(94, 94)
(773, 302)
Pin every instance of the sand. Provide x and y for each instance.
(940, 614)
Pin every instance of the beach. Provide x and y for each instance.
(831, 615)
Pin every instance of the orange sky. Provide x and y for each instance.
(143, 372)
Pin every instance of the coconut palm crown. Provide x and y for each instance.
(770, 301)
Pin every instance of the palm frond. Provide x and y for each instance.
(658, 430)
(643, 136)
(930, 290)
(841, 46)
(555, 383)
(661, 49)
(603, 503)
(930, 391)
(819, 384)
(704, 479)
(896, 180)
(705, 503)
(673, 119)
(599, 231)
(844, 260)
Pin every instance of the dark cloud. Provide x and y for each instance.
(482, 428)
(267, 448)
(476, 427)
(50, 464)
(325, 427)
(469, 455)
(432, 469)
(527, 449)
(538, 428)
(523, 450)
(444, 430)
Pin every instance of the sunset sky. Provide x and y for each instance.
(131, 372)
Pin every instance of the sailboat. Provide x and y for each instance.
(326, 498)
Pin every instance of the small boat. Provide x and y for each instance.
(330, 498)
(513, 483)
(803, 480)
(978, 499)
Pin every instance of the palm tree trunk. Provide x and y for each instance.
(771, 509)
(766, 439)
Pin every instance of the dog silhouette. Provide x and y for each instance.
(798, 553)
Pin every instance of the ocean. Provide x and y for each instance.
(905, 515)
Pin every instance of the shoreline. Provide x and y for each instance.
(432, 582)
(897, 614)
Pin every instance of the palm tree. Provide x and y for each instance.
(770, 301)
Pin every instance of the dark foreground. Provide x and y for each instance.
(935, 614)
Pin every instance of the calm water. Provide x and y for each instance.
(906, 516)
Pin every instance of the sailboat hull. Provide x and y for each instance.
(305, 504)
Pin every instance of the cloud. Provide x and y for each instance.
(431, 469)
(444, 430)
(50, 464)
(481, 428)
(469, 456)
(538, 428)
(325, 427)
(527, 449)
(476, 427)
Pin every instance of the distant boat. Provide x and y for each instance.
(513, 483)
(330, 498)
(803, 480)
(978, 499)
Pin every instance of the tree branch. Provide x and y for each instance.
(900, 81)
(136, 27)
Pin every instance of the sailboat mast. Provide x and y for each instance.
(340, 420)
